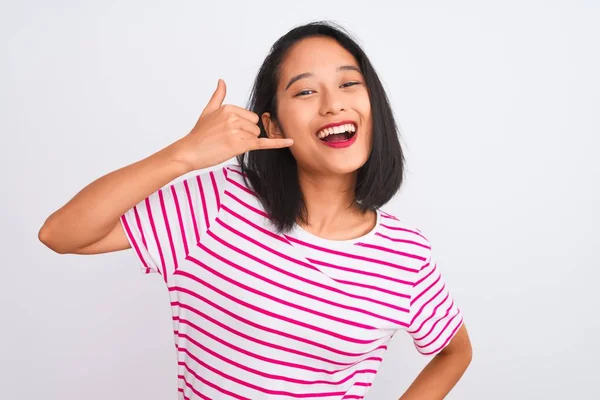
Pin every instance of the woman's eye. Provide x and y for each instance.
(347, 84)
(309, 91)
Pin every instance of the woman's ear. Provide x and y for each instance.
(271, 127)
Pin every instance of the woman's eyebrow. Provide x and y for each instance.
(310, 74)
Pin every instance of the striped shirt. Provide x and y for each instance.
(259, 315)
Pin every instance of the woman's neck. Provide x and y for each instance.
(332, 211)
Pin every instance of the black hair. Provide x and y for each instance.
(273, 173)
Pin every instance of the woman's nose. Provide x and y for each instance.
(331, 103)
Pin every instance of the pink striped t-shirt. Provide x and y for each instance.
(257, 315)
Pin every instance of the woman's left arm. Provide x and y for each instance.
(443, 371)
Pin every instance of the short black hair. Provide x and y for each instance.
(273, 173)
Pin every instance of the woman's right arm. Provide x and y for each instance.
(90, 222)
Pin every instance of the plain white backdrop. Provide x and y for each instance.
(499, 109)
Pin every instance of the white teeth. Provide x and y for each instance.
(336, 129)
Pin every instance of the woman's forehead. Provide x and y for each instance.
(316, 55)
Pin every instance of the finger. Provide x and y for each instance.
(217, 98)
(243, 113)
(249, 127)
(264, 143)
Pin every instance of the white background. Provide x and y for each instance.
(499, 108)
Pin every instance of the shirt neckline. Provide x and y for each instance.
(299, 233)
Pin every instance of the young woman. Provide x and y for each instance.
(286, 279)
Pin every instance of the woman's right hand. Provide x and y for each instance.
(221, 133)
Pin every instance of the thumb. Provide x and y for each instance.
(217, 98)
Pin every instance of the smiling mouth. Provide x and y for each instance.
(338, 134)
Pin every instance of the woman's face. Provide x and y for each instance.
(320, 85)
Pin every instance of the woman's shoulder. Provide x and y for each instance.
(218, 174)
(394, 226)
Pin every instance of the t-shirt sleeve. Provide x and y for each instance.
(435, 317)
(162, 228)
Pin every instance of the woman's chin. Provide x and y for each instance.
(333, 164)
(343, 166)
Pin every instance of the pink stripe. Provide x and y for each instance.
(135, 245)
(348, 255)
(277, 300)
(448, 339)
(238, 233)
(400, 253)
(396, 240)
(425, 291)
(140, 230)
(395, 228)
(262, 342)
(215, 189)
(242, 187)
(189, 386)
(138, 220)
(386, 215)
(251, 354)
(181, 224)
(181, 390)
(412, 332)
(192, 211)
(440, 334)
(436, 322)
(267, 329)
(237, 172)
(282, 286)
(206, 382)
(376, 288)
(423, 307)
(357, 271)
(417, 283)
(265, 374)
(265, 247)
(272, 314)
(250, 385)
(204, 208)
(273, 235)
(248, 206)
(257, 227)
(158, 246)
(168, 228)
